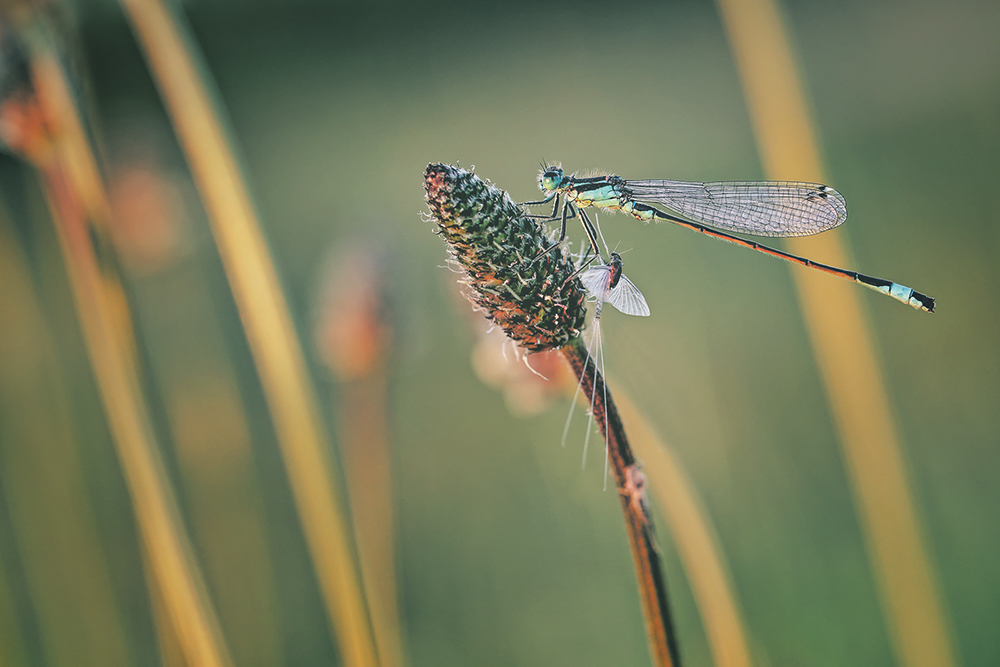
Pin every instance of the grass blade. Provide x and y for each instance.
(354, 335)
(66, 568)
(842, 343)
(75, 194)
(273, 342)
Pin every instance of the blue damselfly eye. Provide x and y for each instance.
(551, 178)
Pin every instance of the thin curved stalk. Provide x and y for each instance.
(355, 339)
(167, 550)
(76, 198)
(54, 529)
(364, 440)
(631, 484)
(172, 57)
(842, 343)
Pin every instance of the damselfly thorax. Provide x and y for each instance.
(605, 192)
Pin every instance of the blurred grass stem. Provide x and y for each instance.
(75, 195)
(280, 362)
(630, 482)
(364, 439)
(54, 527)
(354, 337)
(166, 546)
(842, 342)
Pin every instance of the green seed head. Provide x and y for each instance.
(537, 304)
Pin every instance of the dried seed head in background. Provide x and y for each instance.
(24, 129)
(536, 304)
(354, 322)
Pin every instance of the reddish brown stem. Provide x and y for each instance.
(631, 483)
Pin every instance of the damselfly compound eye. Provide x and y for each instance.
(551, 179)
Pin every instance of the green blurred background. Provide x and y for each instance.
(508, 553)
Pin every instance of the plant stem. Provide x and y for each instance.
(631, 483)
(694, 537)
(77, 200)
(187, 92)
(171, 562)
(842, 341)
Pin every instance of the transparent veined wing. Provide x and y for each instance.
(759, 208)
(624, 296)
(597, 280)
(627, 298)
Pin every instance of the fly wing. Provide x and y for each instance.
(760, 208)
(596, 280)
(627, 298)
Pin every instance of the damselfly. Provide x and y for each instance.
(757, 208)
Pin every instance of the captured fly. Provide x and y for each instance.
(606, 282)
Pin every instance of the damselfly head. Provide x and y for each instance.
(550, 178)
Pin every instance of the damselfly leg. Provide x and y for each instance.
(569, 212)
(555, 206)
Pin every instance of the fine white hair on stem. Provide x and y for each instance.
(604, 385)
(525, 360)
(594, 336)
(594, 351)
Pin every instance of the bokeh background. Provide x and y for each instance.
(506, 551)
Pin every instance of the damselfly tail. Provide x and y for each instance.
(907, 295)
(899, 292)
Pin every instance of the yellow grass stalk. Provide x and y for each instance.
(107, 335)
(842, 343)
(273, 342)
(171, 653)
(156, 511)
(693, 536)
(214, 452)
(76, 197)
(164, 540)
(364, 439)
